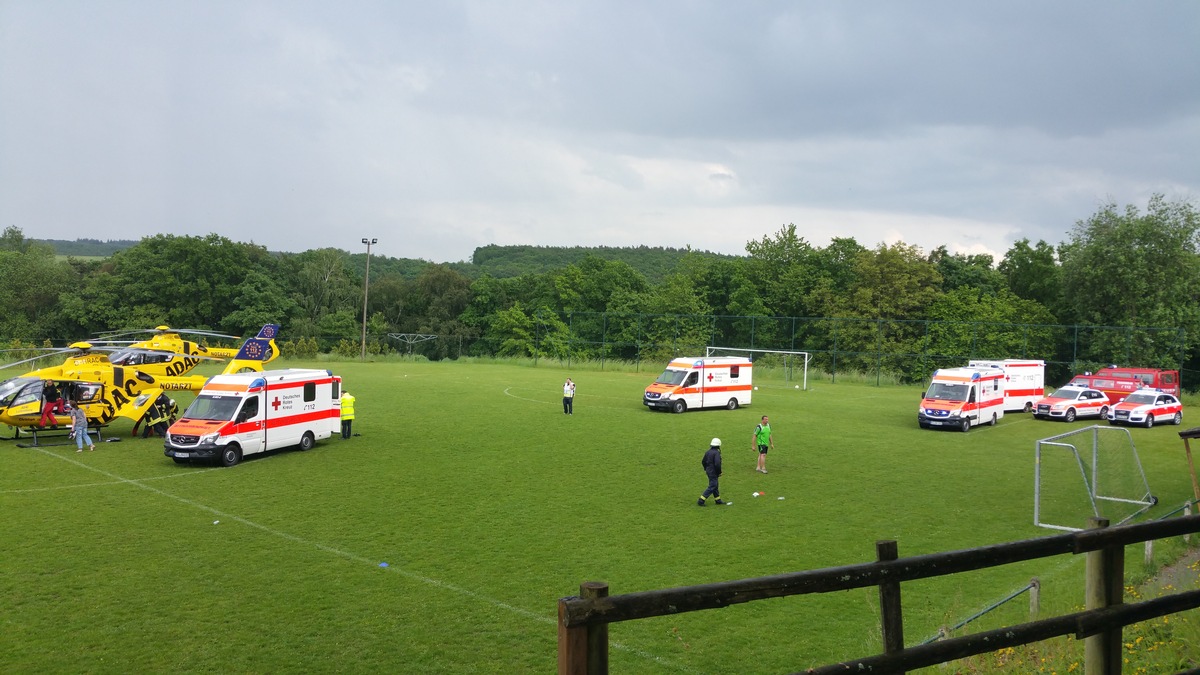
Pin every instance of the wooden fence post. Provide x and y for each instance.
(597, 633)
(583, 650)
(891, 614)
(1105, 588)
(1035, 598)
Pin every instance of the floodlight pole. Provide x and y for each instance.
(366, 287)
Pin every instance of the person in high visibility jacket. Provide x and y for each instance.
(347, 413)
(156, 421)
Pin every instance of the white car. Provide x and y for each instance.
(1071, 402)
(1144, 407)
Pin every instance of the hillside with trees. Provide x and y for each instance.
(1123, 287)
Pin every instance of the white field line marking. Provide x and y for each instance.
(522, 398)
(437, 583)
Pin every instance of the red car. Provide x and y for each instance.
(1070, 402)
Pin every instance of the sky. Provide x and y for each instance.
(438, 127)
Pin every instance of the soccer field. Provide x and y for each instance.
(439, 539)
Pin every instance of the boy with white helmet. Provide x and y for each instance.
(712, 468)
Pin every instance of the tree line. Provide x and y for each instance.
(1123, 267)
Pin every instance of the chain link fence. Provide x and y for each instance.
(903, 350)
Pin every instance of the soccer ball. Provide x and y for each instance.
(756, 389)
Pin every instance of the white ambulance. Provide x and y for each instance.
(246, 413)
(960, 398)
(1024, 381)
(700, 382)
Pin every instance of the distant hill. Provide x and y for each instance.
(87, 247)
(655, 262)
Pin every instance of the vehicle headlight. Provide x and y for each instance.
(209, 438)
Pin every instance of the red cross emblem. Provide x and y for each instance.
(275, 404)
(710, 376)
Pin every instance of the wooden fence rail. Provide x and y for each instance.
(583, 620)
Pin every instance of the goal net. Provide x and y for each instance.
(792, 364)
(1090, 472)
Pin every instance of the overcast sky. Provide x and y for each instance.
(438, 127)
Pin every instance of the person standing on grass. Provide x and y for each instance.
(569, 397)
(712, 468)
(761, 439)
(347, 413)
(79, 428)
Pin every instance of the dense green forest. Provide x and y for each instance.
(1122, 287)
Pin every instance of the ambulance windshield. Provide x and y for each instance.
(671, 377)
(208, 407)
(943, 391)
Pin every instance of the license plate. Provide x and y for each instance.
(182, 455)
(935, 424)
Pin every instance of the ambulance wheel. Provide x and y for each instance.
(678, 406)
(1149, 420)
(1178, 419)
(230, 455)
(732, 405)
(964, 426)
(307, 441)
(1070, 416)
(1028, 407)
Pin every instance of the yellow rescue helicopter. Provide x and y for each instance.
(165, 352)
(105, 390)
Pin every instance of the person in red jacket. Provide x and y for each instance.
(51, 402)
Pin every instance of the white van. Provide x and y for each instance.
(960, 398)
(698, 382)
(245, 413)
(1024, 381)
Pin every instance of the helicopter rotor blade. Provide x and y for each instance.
(164, 330)
(35, 358)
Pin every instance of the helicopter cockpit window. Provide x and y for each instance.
(20, 390)
(125, 357)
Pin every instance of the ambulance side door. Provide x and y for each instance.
(688, 389)
(252, 424)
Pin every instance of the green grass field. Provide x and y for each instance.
(488, 504)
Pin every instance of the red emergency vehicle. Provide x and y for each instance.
(1117, 382)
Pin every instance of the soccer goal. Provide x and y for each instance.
(411, 339)
(788, 360)
(1090, 472)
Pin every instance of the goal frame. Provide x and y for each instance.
(708, 353)
(1145, 501)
